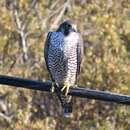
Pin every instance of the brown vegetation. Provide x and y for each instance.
(105, 26)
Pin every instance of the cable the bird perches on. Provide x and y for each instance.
(78, 92)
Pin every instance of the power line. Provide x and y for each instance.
(78, 91)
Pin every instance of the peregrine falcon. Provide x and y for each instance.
(63, 54)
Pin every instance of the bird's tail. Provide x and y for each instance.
(68, 109)
(66, 102)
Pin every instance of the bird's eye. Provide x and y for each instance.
(68, 26)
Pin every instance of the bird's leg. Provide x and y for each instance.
(53, 87)
(66, 88)
(69, 98)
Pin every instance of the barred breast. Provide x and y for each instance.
(62, 57)
(70, 51)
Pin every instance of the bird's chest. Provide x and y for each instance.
(62, 58)
(70, 45)
(69, 48)
(62, 48)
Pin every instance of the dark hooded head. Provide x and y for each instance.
(67, 27)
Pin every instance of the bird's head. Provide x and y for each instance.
(67, 27)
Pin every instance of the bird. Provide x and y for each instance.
(63, 53)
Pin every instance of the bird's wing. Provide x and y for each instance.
(46, 49)
(80, 53)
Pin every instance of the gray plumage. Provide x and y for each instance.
(63, 55)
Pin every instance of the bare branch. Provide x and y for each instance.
(7, 118)
(89, 32)
(54, 4)
(31, 6)
(3, 106)
(20, 28)
(43, 20)
(17, 20)
(24, 45)
(59, 17)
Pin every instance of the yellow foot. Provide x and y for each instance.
(66, 89)
(53, 87)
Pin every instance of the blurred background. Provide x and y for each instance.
(105, 27)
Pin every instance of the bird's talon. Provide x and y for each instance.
(66, 89)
